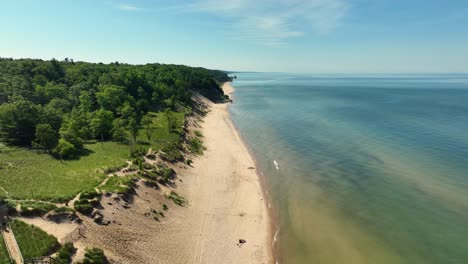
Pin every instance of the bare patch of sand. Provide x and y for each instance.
(64, 232)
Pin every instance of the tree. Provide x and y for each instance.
(133, 127)
(119, 133)
(147, 122)
(127, 111)
(18, 121)
(65, 149)
(86, 104)
(111, 97)
(101, 124)
(46, 137)
(171, 121)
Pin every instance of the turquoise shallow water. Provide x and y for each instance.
(372, 169)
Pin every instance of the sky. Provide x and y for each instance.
(300, 36)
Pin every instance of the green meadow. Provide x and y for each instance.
(26, 174)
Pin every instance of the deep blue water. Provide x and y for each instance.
(372, 168)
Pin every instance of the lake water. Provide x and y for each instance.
(371, 168)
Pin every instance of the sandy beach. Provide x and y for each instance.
(226, 199)
(225, 205)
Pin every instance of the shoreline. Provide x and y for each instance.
(237, 205)
(272, 213)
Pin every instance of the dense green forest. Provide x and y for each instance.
(56, 106)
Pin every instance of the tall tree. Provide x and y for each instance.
(46, 137)
(147, 123)
(18, 121)
(133, 127)
(171, 121)
(101, 124)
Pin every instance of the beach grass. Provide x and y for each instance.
(33, 208)
(32, 241)
(4, 258)
(120, 185)
(27, 174)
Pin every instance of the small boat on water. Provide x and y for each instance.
(276, 164)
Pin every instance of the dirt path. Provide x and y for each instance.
(12, 245)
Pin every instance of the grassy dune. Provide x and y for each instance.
(4, 259)
(26, 174)
(32, 241)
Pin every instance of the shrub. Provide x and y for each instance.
(94, 256)
(65, 149)
(198, 133)
(147, 166)
(30, 208)
(195, 146)
(139, 151)
(83, 206)
(89, 195)
(66, 252)
(171, 152)
(120, 185)
(176, 198)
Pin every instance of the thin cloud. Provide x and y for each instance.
(274, 23)
(128, 8)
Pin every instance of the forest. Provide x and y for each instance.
(56, 106)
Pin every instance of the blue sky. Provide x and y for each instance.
(310, 36)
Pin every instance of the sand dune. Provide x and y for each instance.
(225, 205)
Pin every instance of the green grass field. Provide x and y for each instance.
(161, 134)
(119, 185)
(32, 241)
(26, 174)
(4, 258)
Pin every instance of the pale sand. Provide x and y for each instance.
(225, 204)
(63, 232)
(226, 199)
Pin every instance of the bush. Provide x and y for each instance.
(119, 185)
(171, 152)
(94, 256)
(147, 166)
(108, 170)
(66, 252)
(89, 195)
(83, 206)
(30, 208)
(139, 151)
(65, 149)
(176, 198)
(198, 133)
(195, 146)
(164, 171)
